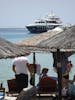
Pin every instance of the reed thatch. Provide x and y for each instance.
(50, 41)
(35, 40)
(9, 50)
(65, 41)
(32, 43)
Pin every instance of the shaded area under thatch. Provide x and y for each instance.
(9, 50)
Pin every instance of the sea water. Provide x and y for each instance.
(44, 59)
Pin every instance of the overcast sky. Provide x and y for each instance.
(18, 13)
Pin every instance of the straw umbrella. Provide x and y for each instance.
(65, 42)
(31, 44)
(9, 50)
(53, 42)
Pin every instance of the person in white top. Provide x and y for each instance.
(20, 67)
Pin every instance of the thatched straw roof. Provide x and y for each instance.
(65, 41)
(35, 40)
(9, 50)
(50, 41)
(32, 43)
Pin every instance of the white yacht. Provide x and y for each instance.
(44, 24)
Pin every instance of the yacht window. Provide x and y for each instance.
(51, 21)
(39, 22)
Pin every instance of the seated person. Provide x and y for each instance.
(44, 73)
(46, 83)
(68, 86)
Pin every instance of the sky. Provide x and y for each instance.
(19, 13)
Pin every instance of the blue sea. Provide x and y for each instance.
(44, 59)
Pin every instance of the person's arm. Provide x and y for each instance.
(14, 68)
(28, 66)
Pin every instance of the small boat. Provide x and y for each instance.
(44, 24)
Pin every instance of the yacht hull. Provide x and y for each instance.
(36, 29)
(40, 29)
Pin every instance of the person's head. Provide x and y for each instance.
(44, 71)
(69, 62)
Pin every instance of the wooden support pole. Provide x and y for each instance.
(59, 71)
(34, 62)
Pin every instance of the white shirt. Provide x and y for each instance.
(21, 65)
